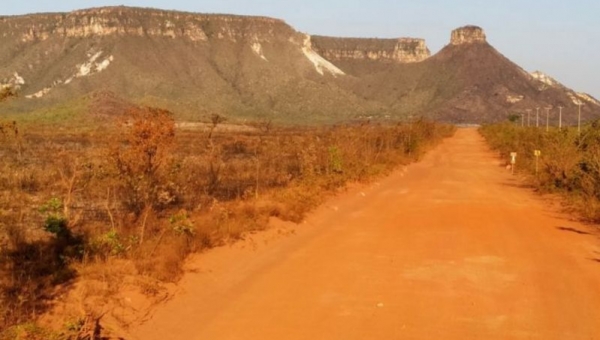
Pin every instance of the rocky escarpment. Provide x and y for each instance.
(248, 67)
(546, 82)
(57, 49)
(403, 50)
(122, 21)
(193, 64)
(468, 35)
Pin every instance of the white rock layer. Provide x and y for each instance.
(321, 64)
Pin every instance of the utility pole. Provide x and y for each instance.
(560, 118)
(537, 117)
(528, 117)
(547, 119)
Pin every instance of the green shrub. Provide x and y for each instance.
(55, 222)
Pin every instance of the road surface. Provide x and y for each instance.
(449, 248)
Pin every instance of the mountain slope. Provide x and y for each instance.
(468, 81)
(260, 68)
(191, 63)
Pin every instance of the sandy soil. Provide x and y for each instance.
(448, 248)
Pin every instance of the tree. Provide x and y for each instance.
(514, 117)
(7, 92)
(140, 157)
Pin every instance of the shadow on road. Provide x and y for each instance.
(573, 230)
(517, 184)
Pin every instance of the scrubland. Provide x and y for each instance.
(144, 193)
(569, 161)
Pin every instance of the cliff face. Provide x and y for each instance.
(193, 64)
(403, 50)
(248, 67)
(123, 21)
(468, 35)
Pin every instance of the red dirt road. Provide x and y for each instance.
(449, 248)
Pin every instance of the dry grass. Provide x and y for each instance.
(569, 162)
(81, 199)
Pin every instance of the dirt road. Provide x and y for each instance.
(449, 248)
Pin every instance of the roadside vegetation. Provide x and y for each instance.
(144, 193)
(6, 93)
(569, 161)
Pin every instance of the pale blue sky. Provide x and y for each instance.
(558, 37)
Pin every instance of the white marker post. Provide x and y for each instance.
(513, 161)
(537, 154)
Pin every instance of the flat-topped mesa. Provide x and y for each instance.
(468, 35)
(109, 21)
(402, 50)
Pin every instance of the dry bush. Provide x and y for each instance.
(138, 190)
(12, 140)
(559, 166)
(570, 163)
(140, 158)
(590, 172)
(7, 92)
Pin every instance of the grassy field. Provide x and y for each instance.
(74, 198)
(569, 162)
